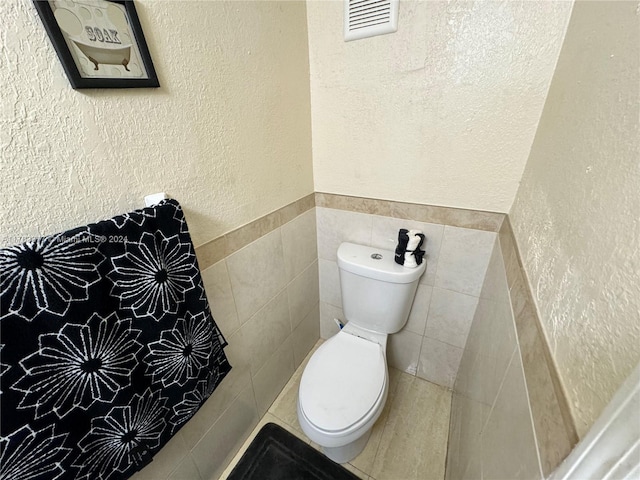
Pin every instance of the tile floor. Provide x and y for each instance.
(409, 440)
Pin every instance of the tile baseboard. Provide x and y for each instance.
(556, 433)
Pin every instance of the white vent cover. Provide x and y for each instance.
(368, 18)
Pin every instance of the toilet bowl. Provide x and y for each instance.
(343, 391)
(344, 386)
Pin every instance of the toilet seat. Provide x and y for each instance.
(343, 383)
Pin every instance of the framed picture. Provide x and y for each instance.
(99, 42)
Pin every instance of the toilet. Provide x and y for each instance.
(344, 386)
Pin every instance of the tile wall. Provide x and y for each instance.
(491, 433)
(431, 344)
(507, 417)
(554, 426)
(262, 285)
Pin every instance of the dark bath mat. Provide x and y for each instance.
(275, 454)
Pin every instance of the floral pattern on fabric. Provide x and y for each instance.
(107, 346)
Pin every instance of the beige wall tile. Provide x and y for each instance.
(257, 274)
(419, 310)
(509, 251)
(495, 285)
(337, 226)
(328, 312)
(306, 334)
(489, 347)
(490, 343)
(186, 470)
(165, 461)
(285, 406)
(222, 440)
(458, 217)
(473, 468)
(267, 330)
(509, 448)
(223, 307)
(450, 316)
(376, 207)
(243, 236)
(217, 249)
(512, 264)
(464, 437)
(321, 199)
(291, 211)
(216, 405)
(464, 258)
(486, 369)
(461, 384)
(478, 220)
(553, 440)
(413, 211)
(299, 243)
(496, 341)
(211, 252)
(330, 282)
(240, 237)
(472, 370)
(438, 362)
(474, 418)
(239, 356)
(303, 294)
(547, 385)
(363, 205)
(308, 202)
(341, 202)
(356, 204)
(403, 351)
(274, 374)
(522, 304)
(405, 452)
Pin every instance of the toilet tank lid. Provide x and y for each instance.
(376, 263)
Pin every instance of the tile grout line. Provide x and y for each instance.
(499, 390)
(450, 427)
(233, 295)
(438, 264)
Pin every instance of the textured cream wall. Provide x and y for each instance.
(576, 213)
(443, 111)
(228, 134)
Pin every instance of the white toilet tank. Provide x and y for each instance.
(377, 293)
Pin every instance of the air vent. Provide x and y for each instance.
(368, 18)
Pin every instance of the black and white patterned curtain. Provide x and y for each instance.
(107, 346)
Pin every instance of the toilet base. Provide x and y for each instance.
(348, 452)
